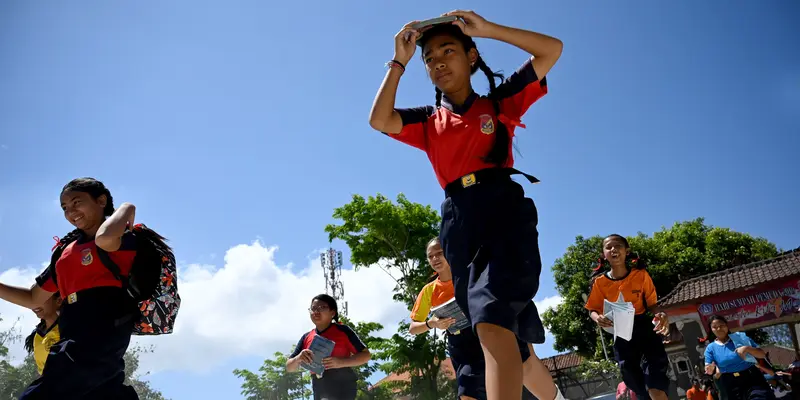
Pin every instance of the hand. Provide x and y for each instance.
(333, 362)
(471, 24)
(441, 324)
(662, 324)
(603, 321)
(711, 368)
(743, 351)
(405, 43)
(306, 356)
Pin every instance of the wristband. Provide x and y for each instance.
(426, 324)
(396, 64)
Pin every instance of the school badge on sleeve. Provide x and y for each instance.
(487, 124)
(86, 256)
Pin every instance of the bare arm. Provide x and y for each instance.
(417, 328)
(109, 235)
(360, 358)
(293, 364)
(545, 50)
(383, 116)
(28, 298)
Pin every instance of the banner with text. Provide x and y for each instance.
(754, 306)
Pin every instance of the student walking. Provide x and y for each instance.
(488, 231)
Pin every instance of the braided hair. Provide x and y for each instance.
(498, 154)
(95, 189)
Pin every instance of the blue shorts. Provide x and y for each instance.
(489, 237)
(469, 365)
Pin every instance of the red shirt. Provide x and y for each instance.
(346, 341)
(79, 267)
(457, 139)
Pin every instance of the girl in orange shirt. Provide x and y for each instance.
(642, 360)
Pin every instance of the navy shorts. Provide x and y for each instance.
(88, 362)
(643, 360)
(489, 237)
(466, 355)
(750, 384)
(336, 384)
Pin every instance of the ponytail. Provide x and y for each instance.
(498, 154)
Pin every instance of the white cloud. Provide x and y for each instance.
(249, 306)
(548, 302)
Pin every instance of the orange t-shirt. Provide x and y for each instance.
(636, 287)
(433, 294)
(695, 394)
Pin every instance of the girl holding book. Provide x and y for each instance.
(338, 382)
(642, 360)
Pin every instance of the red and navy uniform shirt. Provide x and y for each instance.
(79, 268)
(346, 341)
(457, 139)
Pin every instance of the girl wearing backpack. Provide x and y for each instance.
(488, 233)
(98, 313)
(642, 360)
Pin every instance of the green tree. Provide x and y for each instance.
(133, 378)
(274, 382)
(14, 379)
(394, 237)
(377, 347)
(685, 250)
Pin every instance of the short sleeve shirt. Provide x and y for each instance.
(725, 357)
(346, 341)
(636, 287)
(457, 139)
(433, 294)
(79, 267)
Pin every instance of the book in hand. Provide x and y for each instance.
(621, 314)
(322, 348)
(451, 310)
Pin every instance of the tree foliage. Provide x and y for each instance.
(685, 250)
(391, 236)
(394, 237)
(273, 381)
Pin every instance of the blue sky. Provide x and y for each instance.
(227, 124)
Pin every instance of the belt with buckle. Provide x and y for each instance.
(485, 176)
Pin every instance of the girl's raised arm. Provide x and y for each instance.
(109, 235)
(545, 50)
(383, 116)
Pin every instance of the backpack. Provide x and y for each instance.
(152, 281)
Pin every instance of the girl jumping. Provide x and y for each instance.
(96, 319)
(642, 360)
(488, 231)
(464, 348)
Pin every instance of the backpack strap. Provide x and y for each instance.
(114, 269)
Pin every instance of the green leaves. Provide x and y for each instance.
(389, 236)
(273, 381)
(685, 250)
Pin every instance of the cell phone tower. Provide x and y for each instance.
(332, 269)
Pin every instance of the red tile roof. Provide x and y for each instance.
(691, 290)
